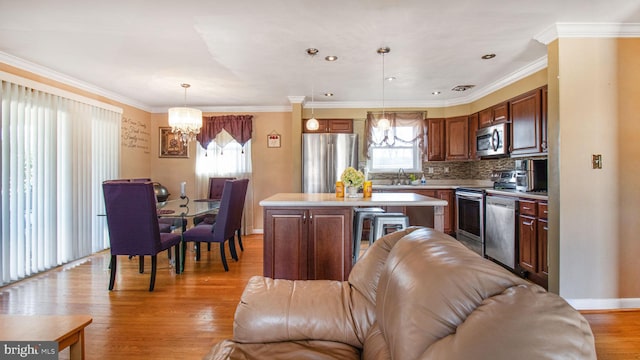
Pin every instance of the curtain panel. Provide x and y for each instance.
(377, 137)
(238, 126)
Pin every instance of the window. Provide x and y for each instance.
(405, 155)
(225, 157)
(399, 147)
(231, 159)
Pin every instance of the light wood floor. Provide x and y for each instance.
(187, 314)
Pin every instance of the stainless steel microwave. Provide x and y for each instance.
(492, 141)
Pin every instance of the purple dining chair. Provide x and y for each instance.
(132, 220)
(237, 199)
(223, 228)
(216, 185)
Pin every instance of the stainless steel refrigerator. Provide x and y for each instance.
(324, 158)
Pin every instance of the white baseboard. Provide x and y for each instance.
(604, 304)
(257, 231)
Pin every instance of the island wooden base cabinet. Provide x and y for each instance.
(308, 243)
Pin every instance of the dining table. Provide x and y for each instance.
(183, 209)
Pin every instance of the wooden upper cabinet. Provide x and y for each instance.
(494, 115)
(330, 126)
(457, 138)
(501, 113)
(526, 123)
(473, 127)
(436, 139)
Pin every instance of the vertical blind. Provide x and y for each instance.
(55, 153)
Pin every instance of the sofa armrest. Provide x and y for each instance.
(284, 310)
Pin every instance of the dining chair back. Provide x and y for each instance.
(132, 220)
(237, 208)
(216, 185)
(222, 230)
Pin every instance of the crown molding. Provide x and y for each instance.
(588, 30)
(296, 99)
(519, 74)
(67, 80)
(235, 109)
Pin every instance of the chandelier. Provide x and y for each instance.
(383, 123)
(185, 122)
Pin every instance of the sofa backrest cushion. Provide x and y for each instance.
(366, 272)
(524, 322)
(436, 297)
(430, 284)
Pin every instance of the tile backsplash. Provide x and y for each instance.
(457, 170)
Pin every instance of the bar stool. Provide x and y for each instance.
(380, 222)
(360, 215)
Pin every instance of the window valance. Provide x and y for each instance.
(413, 121)
(238, 126)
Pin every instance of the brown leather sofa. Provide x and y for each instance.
(415, 294)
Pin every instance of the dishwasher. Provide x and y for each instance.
(501, 240)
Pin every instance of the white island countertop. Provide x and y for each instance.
(330, 199)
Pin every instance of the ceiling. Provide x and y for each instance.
(251, 53)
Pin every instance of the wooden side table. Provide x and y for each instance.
(66, 330)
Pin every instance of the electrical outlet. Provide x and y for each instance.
(596, 161)
(430, 170)
(446, 170)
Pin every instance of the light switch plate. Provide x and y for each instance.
(596, 161)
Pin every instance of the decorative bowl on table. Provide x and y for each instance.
(162, 193)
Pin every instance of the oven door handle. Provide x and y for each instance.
(469, 197)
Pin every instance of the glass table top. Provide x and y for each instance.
(173, 208)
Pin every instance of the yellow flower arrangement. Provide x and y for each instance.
(352, 177)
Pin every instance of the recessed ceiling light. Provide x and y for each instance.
(436, 93)
(390, 78)
(462, 87)
(312, 51)
(331, 58)
(328, 94)
(488, 56)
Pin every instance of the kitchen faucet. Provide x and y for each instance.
(400, 171)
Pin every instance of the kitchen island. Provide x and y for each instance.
(309, 236)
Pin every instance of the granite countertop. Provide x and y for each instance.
(330, 199)
(433, 184)
(454, 184)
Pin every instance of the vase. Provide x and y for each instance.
(351, 191)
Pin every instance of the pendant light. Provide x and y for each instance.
(185, 122)
(312, 124)
(383, 122)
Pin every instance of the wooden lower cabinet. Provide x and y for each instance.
(543, 256)
(308, 244)
(528, 244)
(532, 231)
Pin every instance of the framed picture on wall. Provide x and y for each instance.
(273, 140)
(171, 146)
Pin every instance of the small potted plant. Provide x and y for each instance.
(352, 180)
